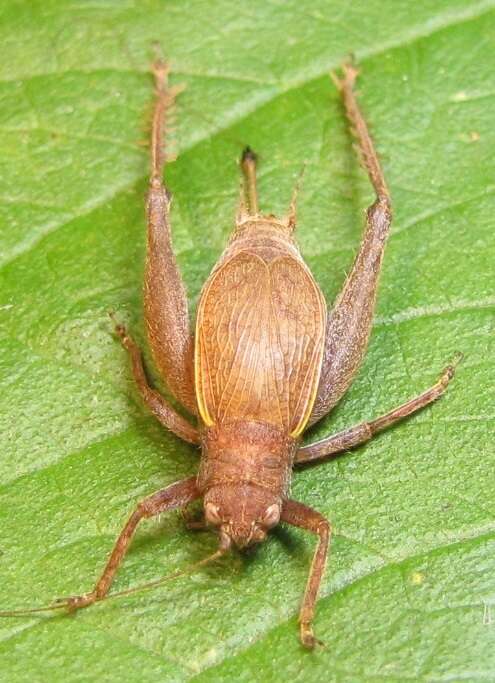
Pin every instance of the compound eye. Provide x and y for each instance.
(271, 516)
(212, 513)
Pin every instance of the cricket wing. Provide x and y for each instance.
(259, 342)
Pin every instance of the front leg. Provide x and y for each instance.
(160, 408)
(349, 323)
(174, 496)
(165, 300)
(304, 517)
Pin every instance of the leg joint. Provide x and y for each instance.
(381, 210)
(145, 508)
(367, 430)
(324, 528)
(379, 216)
(158, 195)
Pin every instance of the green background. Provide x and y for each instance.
(410, 589)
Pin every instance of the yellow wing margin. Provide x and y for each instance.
(260, 335)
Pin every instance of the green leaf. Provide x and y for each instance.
(410, 588)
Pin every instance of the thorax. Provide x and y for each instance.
(246, 452)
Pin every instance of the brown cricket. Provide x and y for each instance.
(266, 362)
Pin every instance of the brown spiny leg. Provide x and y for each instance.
(304, 517)
(160, 408)
(366, 430)
(165, 301)
(174, 496)
(349, 323)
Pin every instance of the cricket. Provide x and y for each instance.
(265, 362)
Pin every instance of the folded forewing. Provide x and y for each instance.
(259, 342)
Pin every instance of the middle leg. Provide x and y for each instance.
(363, 432)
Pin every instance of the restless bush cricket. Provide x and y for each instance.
(265, 363)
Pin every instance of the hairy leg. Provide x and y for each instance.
(165, 300)
(160, 408)
(174, 496)
(304, 517)
(365, 431)
(349, 323)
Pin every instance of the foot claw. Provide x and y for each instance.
(308, 638)
(160, 70)
(449, 371)
(349, 74)
(120, 330)
(75, 602)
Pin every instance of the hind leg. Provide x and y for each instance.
(349, 323)
(165, 300)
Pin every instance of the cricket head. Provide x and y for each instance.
(242, 512)
(244, 476)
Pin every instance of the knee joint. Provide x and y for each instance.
(144, 509)
(380, 215)
(324, 528)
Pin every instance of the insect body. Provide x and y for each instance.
(259, 343)
(266, 361)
